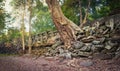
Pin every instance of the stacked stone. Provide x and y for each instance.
(101, 38)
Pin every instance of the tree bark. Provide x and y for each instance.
(66, 28)
(23, 29)
(80, 8)
(86, 15)
(30, 14)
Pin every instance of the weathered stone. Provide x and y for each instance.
(78, 44)
(118, 48)
(112, 44)
(102, 40)
(117, 55)
(61, 51)
(108, 47)
(86, 63)
(93, 48)
(85, 54)
(74, 54)
(96, 42)
(87, 40)
(84, 48)
(56, 44)
(79, 37)
(88, 44)
(68, 55)
(99, 46)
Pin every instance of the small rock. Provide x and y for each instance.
(87, 40)
(88, 44)
(85, 54)
(117, 55)
(93, 48)
(61, 51)
(56, 44)
(74, 55)
(118, 49)
(78, 44)
(99, 46)
(102, 39)
(68, 55)
(86, 63)
(84, 48)
(96, 42)
(108, 47)
(112, 44)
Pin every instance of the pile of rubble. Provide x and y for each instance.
(101, 40)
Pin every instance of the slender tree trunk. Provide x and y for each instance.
(86, 14)
(23, 29)
(66, 28)
(80, 8)
(30, 40)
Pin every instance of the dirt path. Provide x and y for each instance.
(24, 63)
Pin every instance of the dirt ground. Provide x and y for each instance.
(28, 63)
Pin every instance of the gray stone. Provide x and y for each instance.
(108, 47)
(88, 44)
(61, 50)
(68, 55)
(87, 40)
(102, 39)
(78, 44)
(74, 54)
(56, 44)
(96, 42)
(93, 48)
(84, 48)
(117, 55)
(86, 54)
(112, 44)
(99, 46)
(118, 49)
(86, 63)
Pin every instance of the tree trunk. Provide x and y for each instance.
(23, 30)
(30, 40)
(80, 8)
(86, 15)
(66, 28)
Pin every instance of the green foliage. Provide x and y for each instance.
(13, 33)
(43, 21)
(2, 17)
(18, 3)
(98, 8)
(70, 10)
(10, 34)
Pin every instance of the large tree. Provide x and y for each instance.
(66, 28)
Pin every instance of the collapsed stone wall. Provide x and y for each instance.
(102, 39)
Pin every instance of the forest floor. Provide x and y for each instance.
(30, 63)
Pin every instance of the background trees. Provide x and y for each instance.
(2, 17)
(78, 11)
